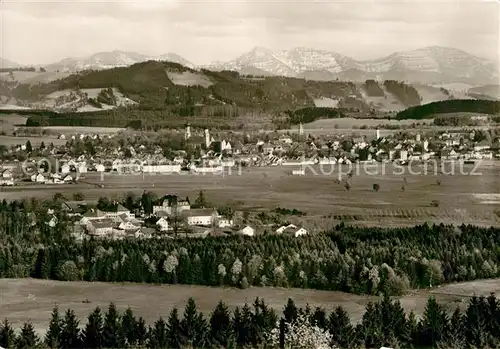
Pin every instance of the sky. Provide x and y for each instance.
(42, 32)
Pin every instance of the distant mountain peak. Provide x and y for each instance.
(111, 59)
(426, 64)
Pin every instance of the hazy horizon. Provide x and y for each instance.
(202, 32)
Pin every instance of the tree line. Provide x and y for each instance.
(450, 106)
(350, 259)
(405, 93)
(384, 323)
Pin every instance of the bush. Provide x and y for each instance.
(68, 271)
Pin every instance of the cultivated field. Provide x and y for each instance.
(325, 201)
(350, 126)
(388, 103)
(32, 300)
(189, 79)
(34, 140)
(9, 122)
(26, 77)
(83, 129)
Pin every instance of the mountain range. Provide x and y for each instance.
(434, 64)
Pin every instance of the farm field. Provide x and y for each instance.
(348, 126)
(34, 140)
(461, 197)
(83, 129)
(32, 78)
(33, 300)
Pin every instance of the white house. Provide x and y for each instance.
(162, 224)
(247, 231)
(282, 228)
(118, 210)
(294, 231)
(7, 174)
(202, 216)
(91, 215)
(167, 203)
(101, 227)
(129, 226)
(38, 178)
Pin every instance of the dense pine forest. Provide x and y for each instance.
(356, 260)
(450, 106)
(257, 325)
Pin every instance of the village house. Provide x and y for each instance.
(38, 178)
(92, 215)
(283, 227)
(162, 224)
(247, 231)
(7, 178)
(117, 210)
(201, 216)
(168, 202)
(295, 231)
(73, 208)
(100, 227)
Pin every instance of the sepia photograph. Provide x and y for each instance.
(269, 174)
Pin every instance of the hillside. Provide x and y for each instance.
(450, 106)
(169, 94)
(166, 85)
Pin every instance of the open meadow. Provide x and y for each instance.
(468, 196)
(32, 299)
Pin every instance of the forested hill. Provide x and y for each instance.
(160, 85)
(450, 106)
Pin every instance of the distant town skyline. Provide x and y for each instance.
(202, 32)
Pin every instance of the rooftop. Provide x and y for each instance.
(197, 212)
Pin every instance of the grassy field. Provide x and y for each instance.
(35, 140)
(32, 300)
(83, 129)
(318, 194)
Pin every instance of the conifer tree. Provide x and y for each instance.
(174, 335)
(27, 339)
(193, 326)
(53, 335)
(141, 334)
(493, 316)
(290, 312)
(368, 330)
(319, 318)
(340, 327)
(111, 332)
(476, 322)
(220, 325)
(7, 335)
(129, 327)
(158, 335)
(413, 329)
(434, 323)
(236, 323)
(455, 337)
(243, 336)
(92, 334)
(269, 316)
(70, 334)
(258, 323)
